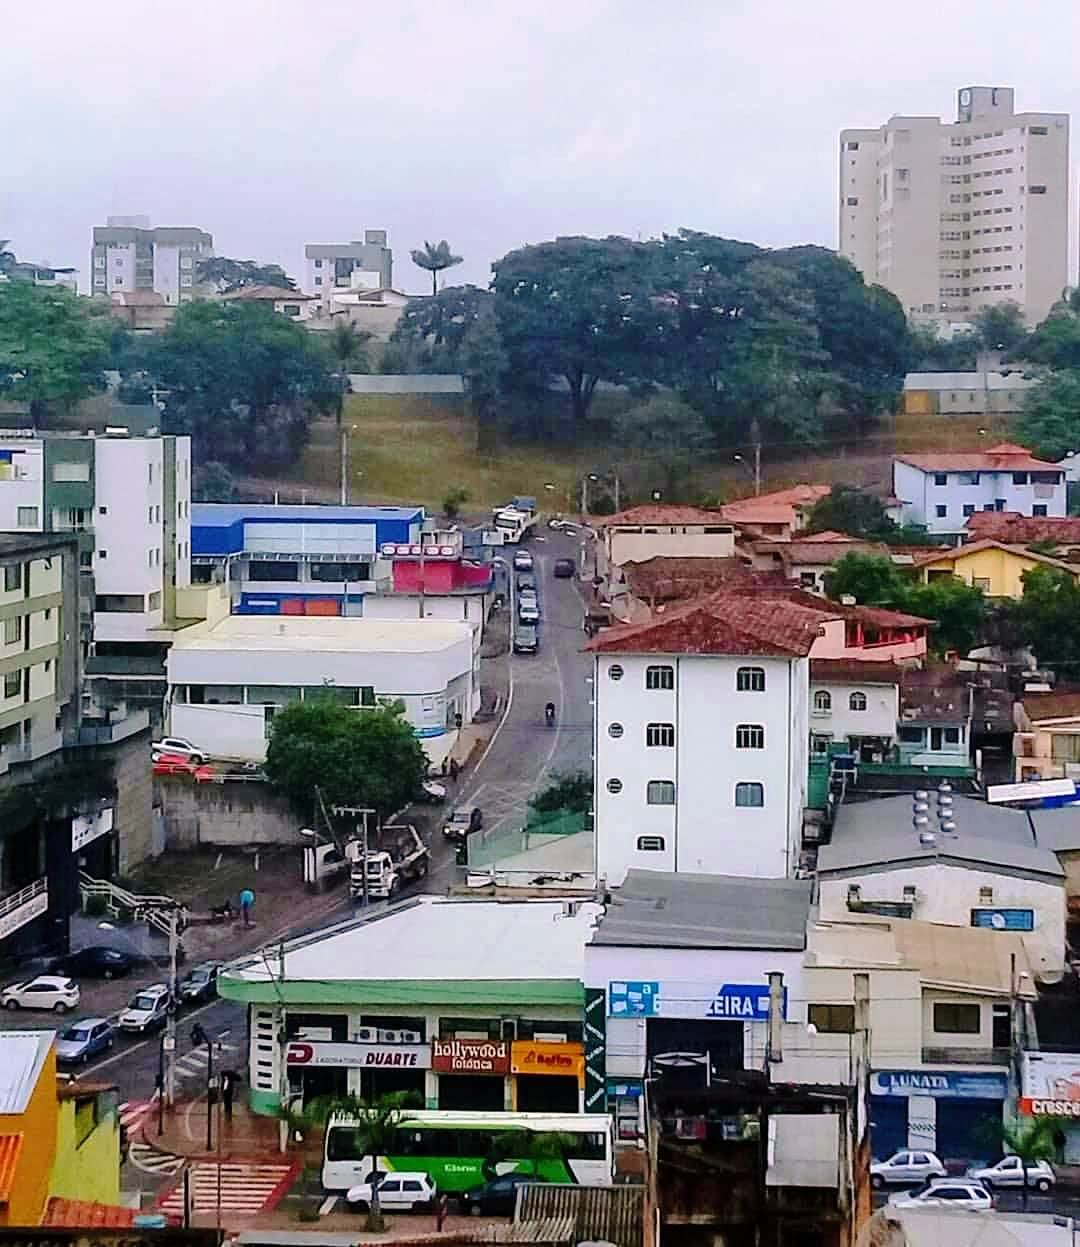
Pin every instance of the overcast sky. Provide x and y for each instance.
(492, 123)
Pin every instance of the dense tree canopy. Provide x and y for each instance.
(1001, 327)
(1050, 421)
(356, 757)
(663, 436)
(243, 381)
(225, 274)
(1047, 617)
(54, 347)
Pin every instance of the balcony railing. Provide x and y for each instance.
(24, 895)
(965, 1056)
(133, 722)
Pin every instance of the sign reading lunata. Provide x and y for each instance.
(359, 1055)
(1051, 1084)
(736, 1002)
(905, 1083)
(470, 1056)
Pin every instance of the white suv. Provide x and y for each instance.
(179, 747)
(403, 1191)
(149, 1007)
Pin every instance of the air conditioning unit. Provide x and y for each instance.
(391, 1036)
(410, 1037)
(366, 1034)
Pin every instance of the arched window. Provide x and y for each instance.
(857, 701)
(822, 699)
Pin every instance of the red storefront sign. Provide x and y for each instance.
(470, 1056)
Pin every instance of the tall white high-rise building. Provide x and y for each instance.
(129, 255)
(956, 216)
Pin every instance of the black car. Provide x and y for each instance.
(200, 983)
(95, 962)
(564, 569)
(497, 1197)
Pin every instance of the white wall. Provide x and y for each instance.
(181, 489)
(288, 537)
(22, 484)
(947, 894)
(223, 731)
(878, 719)
(703, 831)
(659, 540)
(922, 496)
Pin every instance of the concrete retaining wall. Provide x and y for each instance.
(225, 815)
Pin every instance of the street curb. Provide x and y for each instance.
(149, 1139)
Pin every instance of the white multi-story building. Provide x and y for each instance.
(128, 255)
(701, 736)
(357, 265)
(956, 216)
(942, 491)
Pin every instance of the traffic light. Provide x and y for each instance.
(199, 1036)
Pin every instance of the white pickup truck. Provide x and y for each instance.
(401, 857)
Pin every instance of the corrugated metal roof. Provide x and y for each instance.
(10, 1150)
(612, 1214)
(22, 1055)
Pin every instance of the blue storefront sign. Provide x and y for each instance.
(1004, 919)
(905, 1083)
(630, 1090)
(736, 1002)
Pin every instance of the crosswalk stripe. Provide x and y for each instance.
(162, 1164)
(245, 1188)
(133, 1111)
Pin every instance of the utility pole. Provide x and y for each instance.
(168, 1042)
(344, 464)
(755, 437)
(585, 494)
(421, 605)
(363, 812)
(615, 480)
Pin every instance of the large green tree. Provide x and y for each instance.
(54, 347)
(225, 274)
(1048, 619)
(1050, 421)
(483, 363)
(243, 381)
(435, 258)
(431, 332)
(663, 436)
(356, 757)
(1001, 327)
(846, 509)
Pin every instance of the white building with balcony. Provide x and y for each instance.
(226, 681)
(941, 491)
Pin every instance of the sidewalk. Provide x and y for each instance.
(246, 1136)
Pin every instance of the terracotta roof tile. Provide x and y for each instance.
(665, 579)
(657, 513)
(1058, 705)
(777, 507)
(723, 623)
(853, 671)
(973, 547)
(275, 293)
(1022, 529)
(10, 1151)
(84, 1214)
(1004, 457)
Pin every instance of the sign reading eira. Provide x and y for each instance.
(470, 1056)
(359, 1055)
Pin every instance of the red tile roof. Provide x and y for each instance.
(269, 293)
(1058, 705)
(723, 623)
(10, 1151)
(853, 671)
(665, 579)
(657, 513)
(1022, 529)
(1004, 457)
(973, 547)
(83, 1214)
(875, 616)
(777, 507)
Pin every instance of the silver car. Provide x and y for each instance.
(959, 1193)
(1009, 1172)
(906, 1168)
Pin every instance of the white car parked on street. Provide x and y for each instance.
(1009, 1172)
(47, 991)
(959, 1193)
(179, 747)
(404, 1191)
(906, 1168)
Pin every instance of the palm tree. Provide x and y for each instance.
(376, 1127)
(347, 346)
(1031, 1140)
(434, 258)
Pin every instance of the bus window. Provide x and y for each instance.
(341, 1143)
(587, 1146)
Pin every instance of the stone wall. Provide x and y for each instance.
(227, 815)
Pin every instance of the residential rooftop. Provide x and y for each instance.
(1047, 707)
(22, 1058)
(1004, 457)
(1019, 529)
(222, 514)
(656, 513)
(879, 835)
(324, 633)
(936, 694)
(982, 381)
(780, 501)
(974, 547)
(658, 909)
(853, 671)
(430, 950)
(665, 579)
(264, 293)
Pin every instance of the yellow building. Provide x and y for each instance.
(58, 1140)
(992, 566)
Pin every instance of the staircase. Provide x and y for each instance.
(153, 910)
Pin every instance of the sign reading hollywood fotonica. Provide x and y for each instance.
(470, 1056)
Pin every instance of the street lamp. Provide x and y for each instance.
(345, 430)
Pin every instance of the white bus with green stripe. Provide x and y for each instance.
(462, 1150)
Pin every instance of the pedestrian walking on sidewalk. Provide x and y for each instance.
(442, 1203)
(247, 899)
(228, 1089)
(455, 768)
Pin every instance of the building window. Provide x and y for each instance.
(614, 786)
(969, 478)
(910, 735)
(968, 509)
(1037, 190)
(660, 792)
(27, 517)
(823, 700)
(13, 684)
(1020, 478)
(941, 512)
(749, 796)
(749, 736)
(1039, 509)
(12, 577)
(149, 515)
(615, 672)
(986, 896)
(660, 677)
(951, 735)
(857, 701)
(71, 472)
(832, 1019)
(941, 478)
(103, 554)
(956, 1019)
(650, 844)
(615, 730)
(819, 744)
(13, 630)
(981, 582)
(660, 735)
(750, 680)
